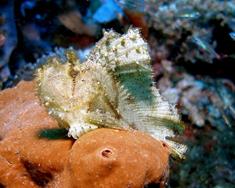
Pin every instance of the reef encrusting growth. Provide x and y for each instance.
(112, 88)
(102, 158)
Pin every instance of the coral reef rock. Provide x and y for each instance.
(100, 158)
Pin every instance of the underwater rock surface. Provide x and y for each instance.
(101, 158)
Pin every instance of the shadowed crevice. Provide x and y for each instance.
(152, 185)
(38, 175)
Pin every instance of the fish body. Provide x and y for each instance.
(113, 88)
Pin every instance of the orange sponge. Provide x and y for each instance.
(101, 158)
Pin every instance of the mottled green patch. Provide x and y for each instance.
(53, 134)
(137, 80)
(137, 50)
(123, 42)
(107, 43)
(176, 126)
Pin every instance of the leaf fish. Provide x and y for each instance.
(113, 88)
